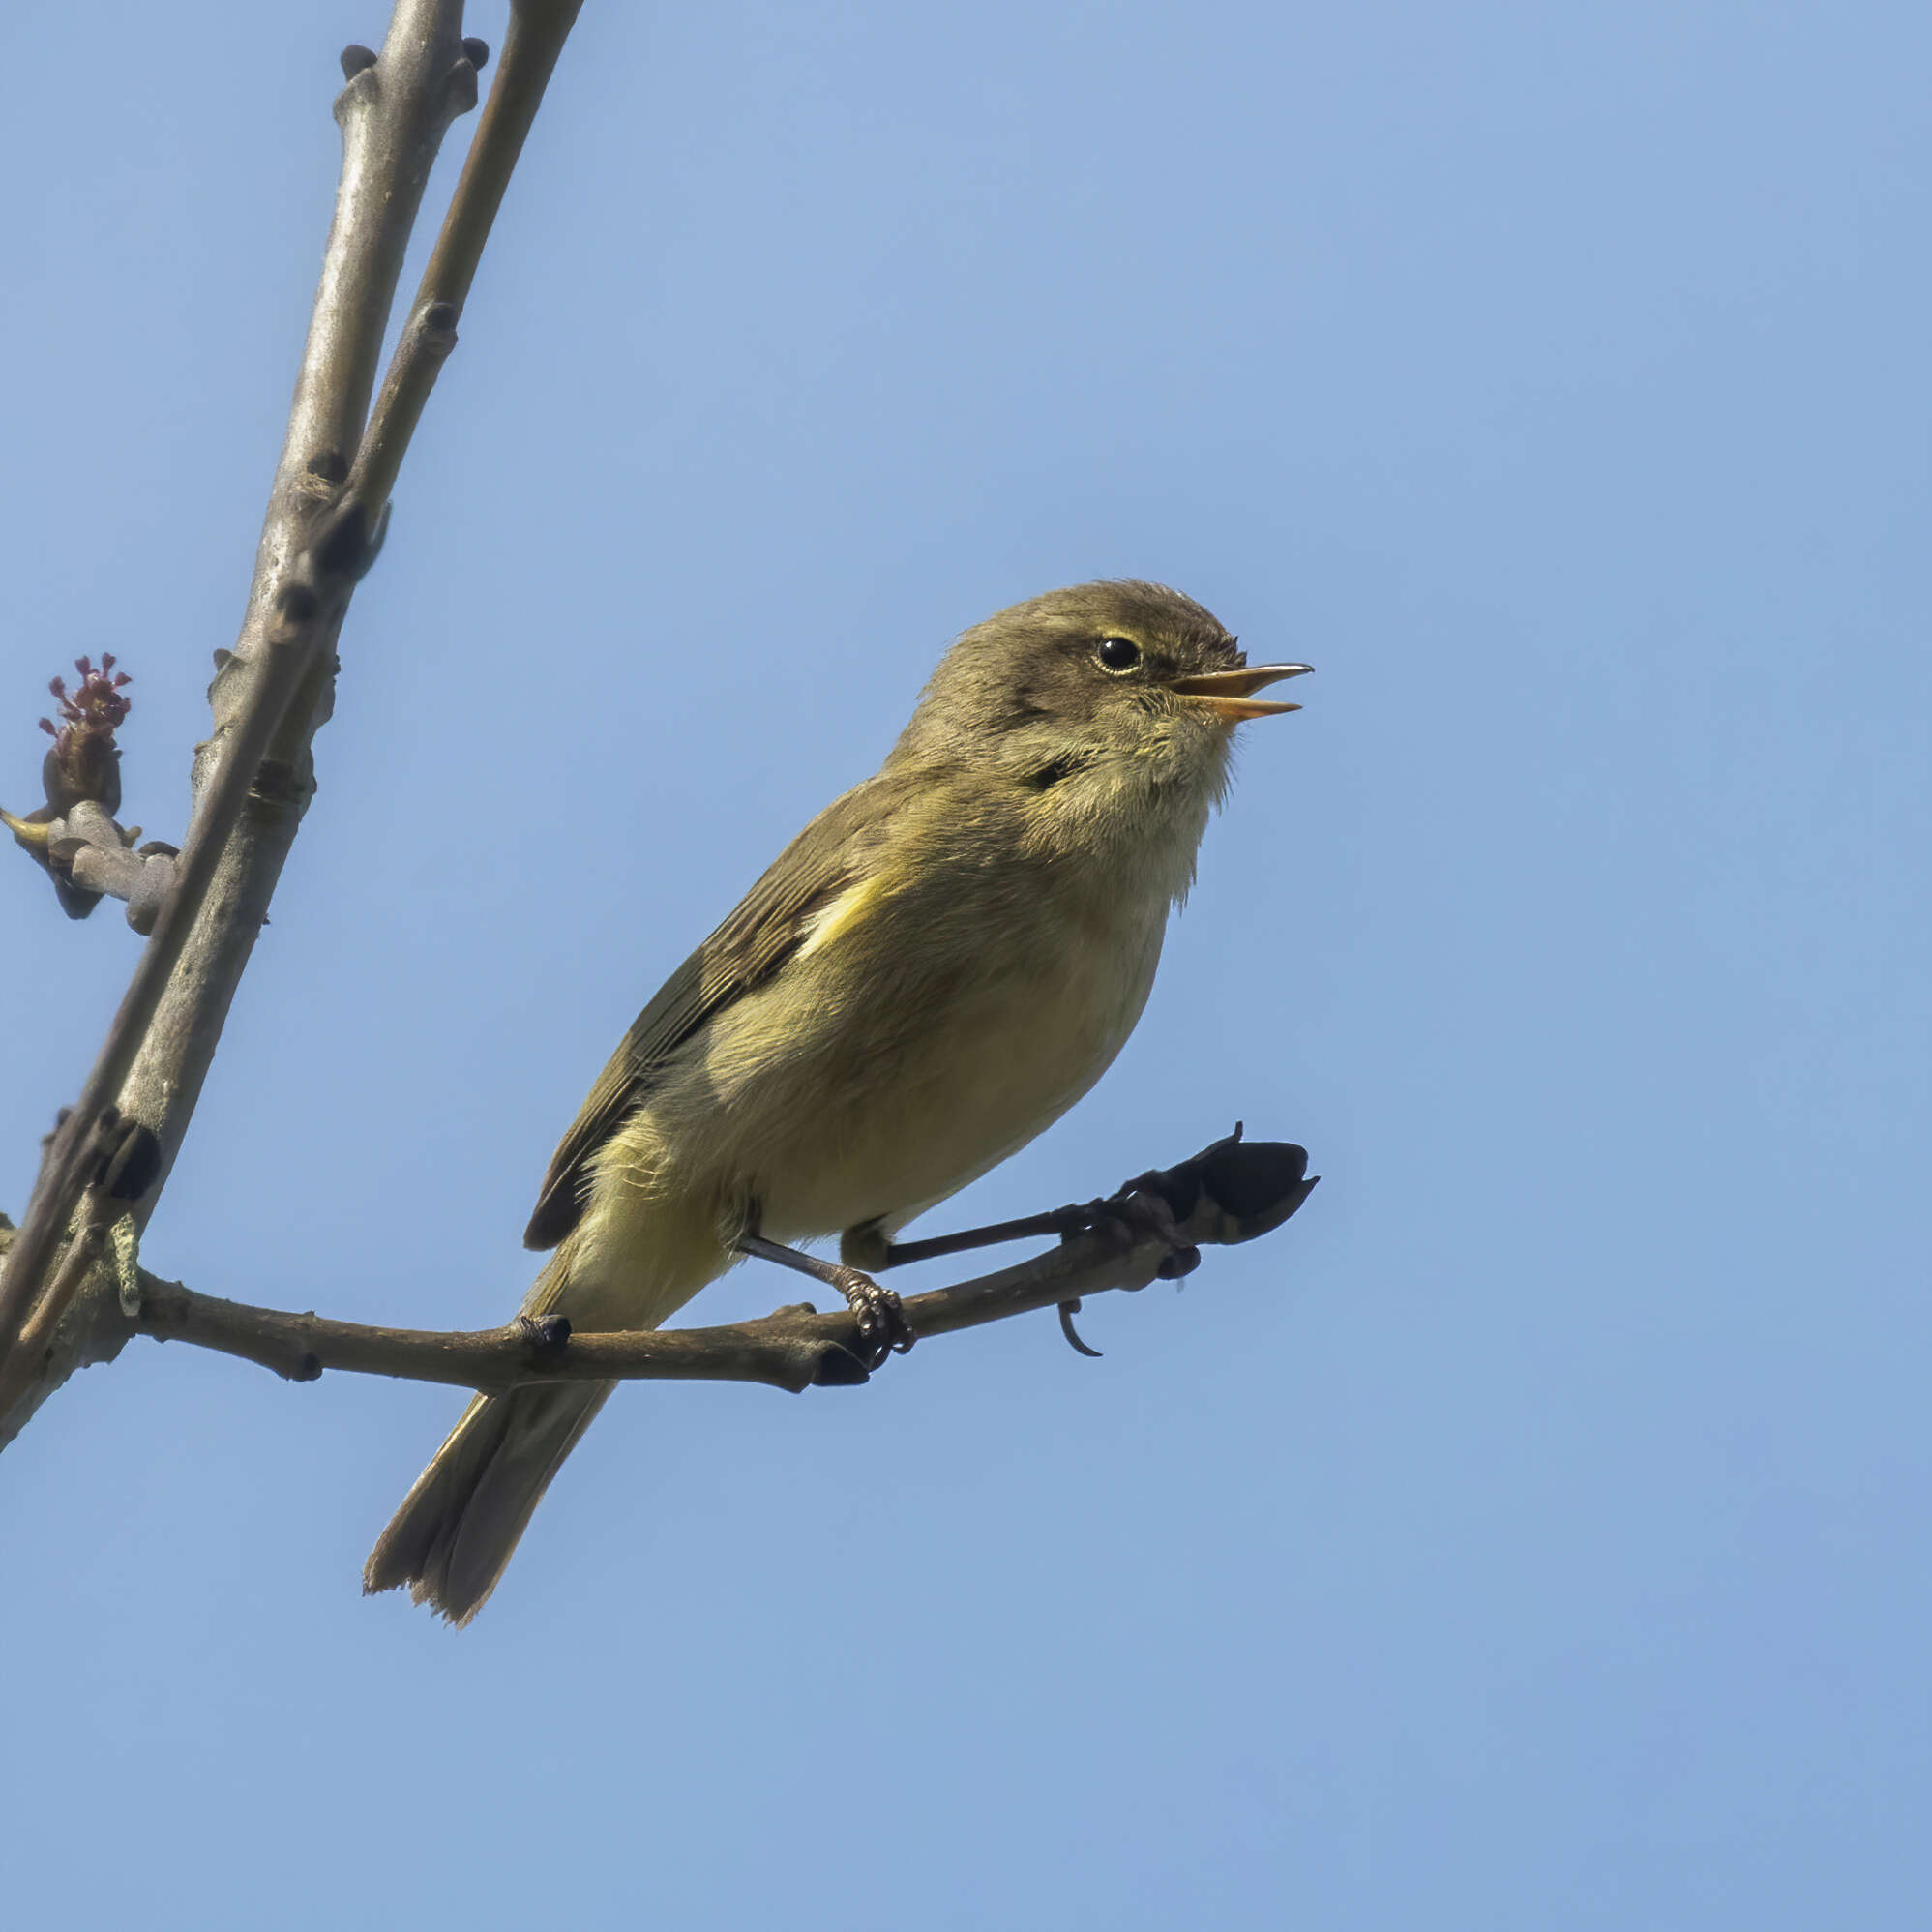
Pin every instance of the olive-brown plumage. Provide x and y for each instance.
(933, 970)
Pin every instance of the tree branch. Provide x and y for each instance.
(253, 777)
(1231, 1192)
(537, 32)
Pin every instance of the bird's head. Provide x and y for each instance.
(1131, 684)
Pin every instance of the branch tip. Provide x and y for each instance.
(35, 835)
(84, 762)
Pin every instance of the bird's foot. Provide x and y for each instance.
(878, 1311)
(1126, 1217)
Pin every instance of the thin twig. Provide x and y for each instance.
(793, 1349)
(1231, 1192)
(537, 32)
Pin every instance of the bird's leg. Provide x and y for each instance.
(1124, 1215)
(1129, 1212)
(868, 1244)
(882, 1319)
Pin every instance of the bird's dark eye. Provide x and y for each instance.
(1118, 654)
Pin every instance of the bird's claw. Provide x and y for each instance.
(1068, 1310)
(879, 1314)
(1128, 1215)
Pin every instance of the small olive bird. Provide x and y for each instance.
(932, 972)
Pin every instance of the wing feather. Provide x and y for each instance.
(836, 852)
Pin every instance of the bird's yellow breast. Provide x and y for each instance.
(918, 1075)
(937, 1016)
(895, 1086)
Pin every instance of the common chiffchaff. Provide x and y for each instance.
(932, 971)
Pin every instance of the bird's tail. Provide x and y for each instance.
(457, 1530)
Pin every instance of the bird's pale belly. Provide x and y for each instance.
(988, 1076)
(860, 1119)
(884, 1127)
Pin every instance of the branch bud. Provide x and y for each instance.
(85, 762)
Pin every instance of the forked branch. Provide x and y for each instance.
(252, 778)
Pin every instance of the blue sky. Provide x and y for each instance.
(1532, 1532)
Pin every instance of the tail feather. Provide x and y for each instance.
(457, 1530)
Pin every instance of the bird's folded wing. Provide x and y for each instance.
(838, 850)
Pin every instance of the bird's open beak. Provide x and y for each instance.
(1226, 693)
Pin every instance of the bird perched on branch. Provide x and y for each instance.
(938, 966)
